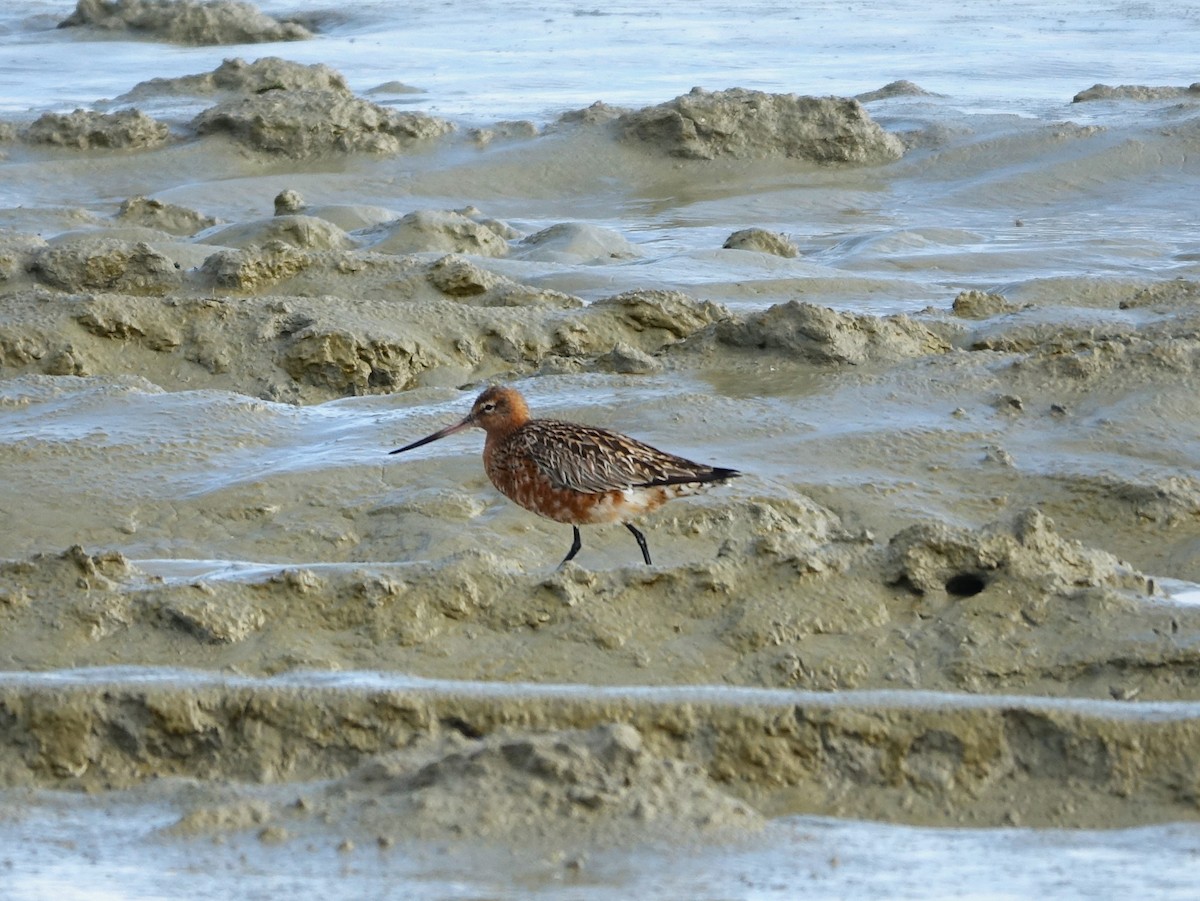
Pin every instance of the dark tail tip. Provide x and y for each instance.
(714, 474)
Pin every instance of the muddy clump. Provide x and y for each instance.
(762, 241)
(981, 305)
(167, 217)
(746, 124)
(73, 569)
(521, 130)
(16, 251)
(823, 335)
(573, 242)
(105, 264)
(602, 785)
(458, 278)
(288, 202)
(1164, 297)
(1170, 502)
(599, 113)
(1137, 92)
(306, 123)
(1085, 349)
(87, 130)
(256, 267)
(444, 231)
(1023, 607)
(193, 22)
(900, 88)
(961, 563)
(238, 77)
(298, 231)
(98, 582)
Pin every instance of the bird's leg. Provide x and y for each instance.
(576, 544)
(641, 540)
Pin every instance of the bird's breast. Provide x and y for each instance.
(520, 479)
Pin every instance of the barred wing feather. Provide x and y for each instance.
(593, 460)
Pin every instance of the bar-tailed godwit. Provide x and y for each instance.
(575, 474)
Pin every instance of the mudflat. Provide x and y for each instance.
(953, 587)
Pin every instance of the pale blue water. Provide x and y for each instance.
(1018, 203)
(812, 858)
(495, 59)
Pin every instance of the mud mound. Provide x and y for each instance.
(602, 786)
(87, 130)
(823, 335)
(196, 22)
(372, 277)
(981, 305)
(256, 268)
(1085, 349)
(16, 252)
(307, 123)
(599, 113)
(1166, 501)
(215, 614)
(1136, 92)
(961, 563)
(459, 278)
(900, 88)
(1004, 588)
(236, 76)
(762, 241)
(521, 130)
(444, 231)
(301, 232)
(752, 124)
(167, 217)
(572, 242)
(73, 569)
(105, 264)
(1175, 295)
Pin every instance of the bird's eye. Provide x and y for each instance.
(489, 408)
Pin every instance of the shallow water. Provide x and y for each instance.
(810, 857)
(493, 60)
(1121, 202)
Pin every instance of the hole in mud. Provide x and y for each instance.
(462, 727)
(965, 585)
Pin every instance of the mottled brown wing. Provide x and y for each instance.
(592, 460)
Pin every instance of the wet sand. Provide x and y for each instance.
(954, 588)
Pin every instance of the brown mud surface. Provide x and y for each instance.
(947, 590)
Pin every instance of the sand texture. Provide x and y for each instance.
(951, 587)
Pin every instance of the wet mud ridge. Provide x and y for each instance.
(399, 756)
(1009, 608)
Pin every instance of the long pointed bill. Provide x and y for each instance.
(449, 430)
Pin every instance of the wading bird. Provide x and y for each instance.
(575, 474)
